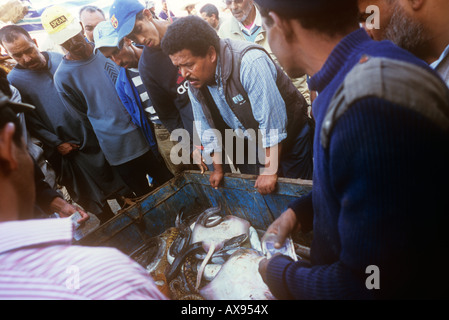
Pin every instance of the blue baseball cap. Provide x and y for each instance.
(123, 16)
(105, 35)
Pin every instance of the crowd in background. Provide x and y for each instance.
(366, 120)
(84, 152)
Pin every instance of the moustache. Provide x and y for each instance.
(31, 62)
(192, 79)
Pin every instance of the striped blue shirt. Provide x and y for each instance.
(144, 96)
(258, 76)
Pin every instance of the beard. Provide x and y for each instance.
(404, 31)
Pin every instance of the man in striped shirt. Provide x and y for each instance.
(37, 260)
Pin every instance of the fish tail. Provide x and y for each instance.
(203, 265)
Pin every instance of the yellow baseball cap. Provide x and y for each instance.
(60, 24)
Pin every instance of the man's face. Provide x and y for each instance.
(397, 25)
(78, 47)
(145, 32)
(240, 8)
(288, 56)
(191, 9)
(199, 71)
(26, 53)
(89, 21)
(125, 57)
(212, 20)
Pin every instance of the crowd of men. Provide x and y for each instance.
(308, 89)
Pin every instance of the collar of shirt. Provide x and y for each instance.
(40, 232)
(435, 64)
(257, 23)
(217, 78)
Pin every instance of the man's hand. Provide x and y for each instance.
(65, 209)
(263, 266)
(215, 178)
(283, 226)
(199, 161)
(266, 184)
(66, 147)
(216, 175)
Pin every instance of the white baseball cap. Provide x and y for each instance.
(105, 35)
(60, 24)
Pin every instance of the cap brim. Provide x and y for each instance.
(69, 32)
(106, 44)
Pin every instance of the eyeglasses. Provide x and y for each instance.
(229, 2)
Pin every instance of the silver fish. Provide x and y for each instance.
(214, 238)
(239, 279)
(254, 239)
(210, 217)
(230, 227)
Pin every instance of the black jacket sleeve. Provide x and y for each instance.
(44, 193)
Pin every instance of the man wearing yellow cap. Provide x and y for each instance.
(72, 150)
(86, 84)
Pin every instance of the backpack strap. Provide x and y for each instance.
(383, 78)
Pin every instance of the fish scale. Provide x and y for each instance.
(159, 273)
(172, 234)
(190, 273)
(177, 288)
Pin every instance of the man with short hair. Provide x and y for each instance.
(235, 85)
(37, 260)
(86, 83)
(380, 162)
(70, 144)
(421, 27)
(166, 86)
(210, 14)
(246, 24)
(90, 16)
